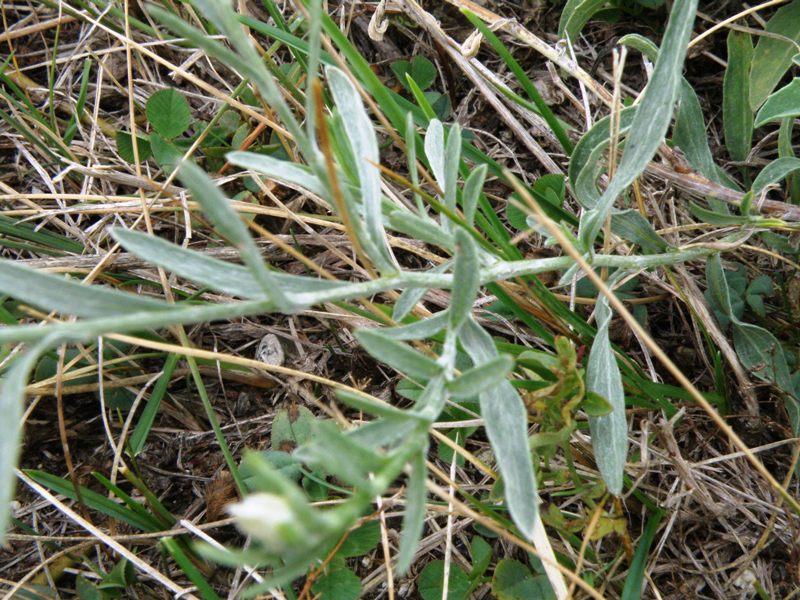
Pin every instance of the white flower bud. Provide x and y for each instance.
(269, 519)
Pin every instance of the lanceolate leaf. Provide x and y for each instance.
(775, 171)
(280, 170)
(737, 116)
(773, 57)
(56, 292)
(414, 515)
(12, 401)
(609, 432)
(466, 279)
(398, 355)
(362, 138)
(481, 378)
(506, 426)
(653, 115)
(782, 104)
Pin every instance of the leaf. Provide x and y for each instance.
(56, 292)
(718, 286)
(632, 226)
(482, 555)
(434, 150)
(290, 431)
(575, 15)
(452, 160)
(430, 584)
(609, 432)
(217, 274)
(125, 147)
(423, 71)
(420, 228)
(737, 116)
(774, 172)
(773, 57)
(414, 513)
(513, 580)
(364, 144)
(283, 171)
(361, 540)
(481, 378)
(506, 426)
(466, 280)
(634, 581)
(397, 355)
(785, 103)
(652, 118)
(168, 113)
(166, 153)
(341, 584)
(12, 401)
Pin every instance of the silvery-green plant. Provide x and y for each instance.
(371, 457)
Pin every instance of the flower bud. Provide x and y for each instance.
(270, 520)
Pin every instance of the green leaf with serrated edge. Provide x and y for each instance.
(652, 118)
(775, 171)
(227, 221)
(473, 187)
(632, 226)
(12, 401)
(414, 513)
(430, 584)
(214, 273)
(420, 228)
(341, 584)
(783, 104)
(168, 112)
(283, 171)
(513, 580)
(506, 420)
(423, 71)
(773, 56)
(478, 379)
(588, 158)
(397, 355)
(56, 292)
(466, 279)
(575, 14)
(737, 116)
(609, 432)
(364, 143)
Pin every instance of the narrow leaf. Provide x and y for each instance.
(414, 514)
(397, 355)
(466, 279)
(506, 426)
(609, 432)
(283, 171)
(775, 171)
(785, 103)
(472, 191)
(481, 378)
(56, 292)
(737, 116)
(434, 150)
